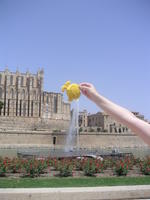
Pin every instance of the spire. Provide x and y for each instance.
(40, 72)
(6, 69)
(27, 71)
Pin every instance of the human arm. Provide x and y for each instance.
(120, 114)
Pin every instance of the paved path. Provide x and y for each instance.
(82, 193)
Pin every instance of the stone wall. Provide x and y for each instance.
(12, 139)
(103, 140)
(87, 140)
(32, 123)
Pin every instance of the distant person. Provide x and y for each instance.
(120, 114)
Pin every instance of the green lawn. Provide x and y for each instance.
(72, 182)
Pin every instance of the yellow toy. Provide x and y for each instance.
(72, 90)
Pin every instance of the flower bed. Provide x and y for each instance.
(128, 166)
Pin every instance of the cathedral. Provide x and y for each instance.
(23, 96)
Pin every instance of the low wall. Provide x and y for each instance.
(86, 140)
(103, 140)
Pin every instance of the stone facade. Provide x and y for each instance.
(23, 96)
(83, 118)
(107, 124)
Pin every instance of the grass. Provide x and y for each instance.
(72, 182)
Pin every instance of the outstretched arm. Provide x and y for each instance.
(120, 114)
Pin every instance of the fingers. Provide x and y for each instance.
(87, 89)
(83, 88)
(85, 84)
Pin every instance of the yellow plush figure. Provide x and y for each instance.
(72, 90)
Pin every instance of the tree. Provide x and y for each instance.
(1, 106)
(98, 129)
(80, 129)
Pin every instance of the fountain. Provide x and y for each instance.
(72, 140)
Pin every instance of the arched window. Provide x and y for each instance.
(34, 95)
(20, 111)
(23, 94)
(119, 130)
(12, 107)
(0, 78)
(43, 97)
(22, 79)
(54, 140)
(24, 109)
(110, 128)
(47, 99)
(32, 82)
(11, 80)
(12, 93)
(32, 108)
(55, 104)
(1, 92)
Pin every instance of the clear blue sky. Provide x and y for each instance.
(106, 42)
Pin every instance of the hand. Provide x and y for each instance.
(88, 90)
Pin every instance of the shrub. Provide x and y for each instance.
(91, 130)
(77, 164)
(3, 166)
(34, 167)
(121, 168)
(65, 168)
(100, 166)
(54, 163)
(109, 162)
(80, 129)
(98, 129)
(145, 166)
(130, 161)
(105, 130)
(89, 168)
(15, 165)
(56, 130)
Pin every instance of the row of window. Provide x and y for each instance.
(12, 94)
(119, 130)
(20, 80)
(48, 99)
(21, 110)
